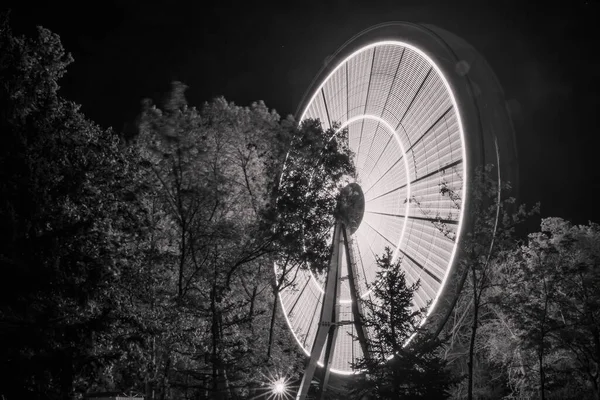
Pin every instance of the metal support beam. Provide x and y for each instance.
(330, 311)
(357, 312)
(329, 315)
(329, 349)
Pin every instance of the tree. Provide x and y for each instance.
(492, 235)
(405, 362)
(208, 172)
(148, 265)
(318, 163)
(530, 292)
(71, 223)
(551, 300)
(225, 210)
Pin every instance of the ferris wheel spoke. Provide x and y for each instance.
(418, 264)
(362, 260)
(414, 98)
(326, 108)
(430, 129)
(440, 220)
(403, 105)
(311, 324)
(383, 236)
(387, 193)
(384, 174)
(380, 154)
(438, 171)
(291, 310)
(389, 94)
(373, 140)
(370, 80)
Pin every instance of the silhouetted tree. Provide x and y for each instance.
(405, 362)
(70, 227)
(317, 164)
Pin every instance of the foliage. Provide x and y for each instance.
(494, 217)
(209, 173)
(226, 209)
(404, 362)
(551, 300)
(318, 164)
(71, 225)
(148, 266)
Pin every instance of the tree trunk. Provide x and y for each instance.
(251, 312)
(542, 377)
(272, 325)
(596, 336)
(541, 350)
(165, 378)
(215, 345)
(181, 261)
(473, 336)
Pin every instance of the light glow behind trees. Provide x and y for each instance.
(406, 132)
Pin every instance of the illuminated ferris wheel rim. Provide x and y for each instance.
(479, 114)
(391, 129)
(388, 126)
(448, 88)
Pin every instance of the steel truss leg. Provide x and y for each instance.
(357, 312)
(329, 316)
(329, 321)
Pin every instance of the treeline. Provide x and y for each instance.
(146, 265)
(520, 319)
(522, 315)
(527, 323)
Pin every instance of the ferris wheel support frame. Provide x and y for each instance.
(486, 122)
(329, 319)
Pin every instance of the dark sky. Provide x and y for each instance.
(545, 57)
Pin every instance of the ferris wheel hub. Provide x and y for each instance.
(351, 207)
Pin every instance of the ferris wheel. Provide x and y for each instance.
(423, 110)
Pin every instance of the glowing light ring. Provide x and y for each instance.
(302, 306)
(392, 131)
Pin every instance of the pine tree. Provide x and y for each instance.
(404, 360)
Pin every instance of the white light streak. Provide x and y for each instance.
(406, 238)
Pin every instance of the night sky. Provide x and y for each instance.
(544, 55)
